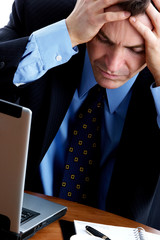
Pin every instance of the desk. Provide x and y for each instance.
(81, 212)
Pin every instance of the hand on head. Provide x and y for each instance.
(88, 17)
(150, 31)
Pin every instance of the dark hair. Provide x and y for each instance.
(135, 7)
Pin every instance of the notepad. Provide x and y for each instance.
(115, 232)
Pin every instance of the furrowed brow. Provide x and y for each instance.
(106, 37)
(113, 43)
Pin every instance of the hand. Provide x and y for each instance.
(88, 17)
(152, 39)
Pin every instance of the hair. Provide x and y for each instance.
(135, 7)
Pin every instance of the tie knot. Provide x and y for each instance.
(96, 95)
(97, 90)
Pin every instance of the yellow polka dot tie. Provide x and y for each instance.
(82, 160)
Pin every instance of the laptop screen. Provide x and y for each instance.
(15, 124)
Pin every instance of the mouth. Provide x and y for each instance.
(108, 75)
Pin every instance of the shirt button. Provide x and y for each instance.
(59, 58)
(2, 65)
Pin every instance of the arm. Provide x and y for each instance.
(12, 39)
(156, 96)
(152, 39)
(12, 46)
(152, 49)
(26, 17)
(47, 48)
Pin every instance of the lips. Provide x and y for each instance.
(108, 75)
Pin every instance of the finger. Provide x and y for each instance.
(113, 16)
(146, 33)
(108, 3)
(157, 4)
(103, 4)
(154, 16)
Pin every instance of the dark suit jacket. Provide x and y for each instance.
(135, 185)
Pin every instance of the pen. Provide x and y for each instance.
(96, 233)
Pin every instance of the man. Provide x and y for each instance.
(129, 166)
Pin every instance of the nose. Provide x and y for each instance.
(114, 59)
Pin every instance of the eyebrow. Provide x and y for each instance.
(113, 43)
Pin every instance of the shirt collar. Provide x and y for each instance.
(115, 96)
(88, 81)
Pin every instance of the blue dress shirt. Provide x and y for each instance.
(111, 134)
(50, 47)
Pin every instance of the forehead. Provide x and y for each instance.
(122, 32)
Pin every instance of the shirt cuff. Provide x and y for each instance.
(53, 54)
(47, 48)
(156, 96)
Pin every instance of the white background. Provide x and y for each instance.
(5, 10)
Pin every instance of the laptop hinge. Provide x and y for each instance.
(5, 232)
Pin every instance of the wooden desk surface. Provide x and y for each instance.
(80, 212)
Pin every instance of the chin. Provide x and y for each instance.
(110, 84)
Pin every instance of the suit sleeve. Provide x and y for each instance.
(26, 17)
(12, 38)
(47, 48)
(12, 46)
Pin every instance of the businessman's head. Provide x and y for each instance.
(117, 52)
(135, 7)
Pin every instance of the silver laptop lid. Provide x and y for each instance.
(15, 124)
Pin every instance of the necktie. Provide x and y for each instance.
(82, 160)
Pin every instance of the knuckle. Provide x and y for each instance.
(107, 17)
(157, 18)
(146, 32)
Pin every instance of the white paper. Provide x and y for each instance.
(84, 237)
(113, 232)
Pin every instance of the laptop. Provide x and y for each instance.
(27, 213)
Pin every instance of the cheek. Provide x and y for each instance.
(134, 61)
(95, 49)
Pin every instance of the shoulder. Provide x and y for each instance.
(145, 79)
(39, 13)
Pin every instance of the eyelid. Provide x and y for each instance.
(138, 47)
(104, 39)
(138, 51)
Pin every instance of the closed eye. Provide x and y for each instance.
(137, 50)
(104, 39)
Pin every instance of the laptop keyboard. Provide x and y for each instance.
(27, 215)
